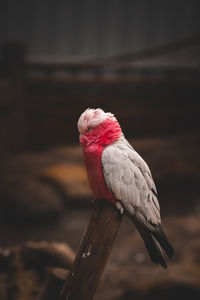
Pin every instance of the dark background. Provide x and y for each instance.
(141, 61)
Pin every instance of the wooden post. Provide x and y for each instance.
(93, 254)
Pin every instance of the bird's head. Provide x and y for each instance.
(98, 127)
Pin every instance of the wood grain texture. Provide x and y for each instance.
(93, 254)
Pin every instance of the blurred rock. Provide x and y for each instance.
(29, 265)
(30, 200)
(70, 180)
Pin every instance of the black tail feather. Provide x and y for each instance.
(154, 239)
(161, 238)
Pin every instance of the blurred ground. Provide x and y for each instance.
(45, 196)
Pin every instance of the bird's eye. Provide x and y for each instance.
(89, 129)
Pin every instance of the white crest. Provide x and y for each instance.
(93, 117)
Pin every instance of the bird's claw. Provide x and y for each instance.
(120, 207)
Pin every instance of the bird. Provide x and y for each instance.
(119, 175)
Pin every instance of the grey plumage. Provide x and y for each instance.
(128, 176)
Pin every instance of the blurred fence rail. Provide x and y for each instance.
(14, 61)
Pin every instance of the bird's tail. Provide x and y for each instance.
(154, 239)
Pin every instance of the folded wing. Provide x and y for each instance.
(129, 178)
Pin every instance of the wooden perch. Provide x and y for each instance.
(93, 254)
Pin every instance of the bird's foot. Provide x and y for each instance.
(120, 207)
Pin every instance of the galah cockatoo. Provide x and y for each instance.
(118, 174)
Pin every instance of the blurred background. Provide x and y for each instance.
(139, 59)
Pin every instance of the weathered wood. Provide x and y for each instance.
(27, 268)
(93, 254)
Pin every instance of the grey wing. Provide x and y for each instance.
(129, 178)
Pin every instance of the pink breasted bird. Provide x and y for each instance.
(118, 174)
